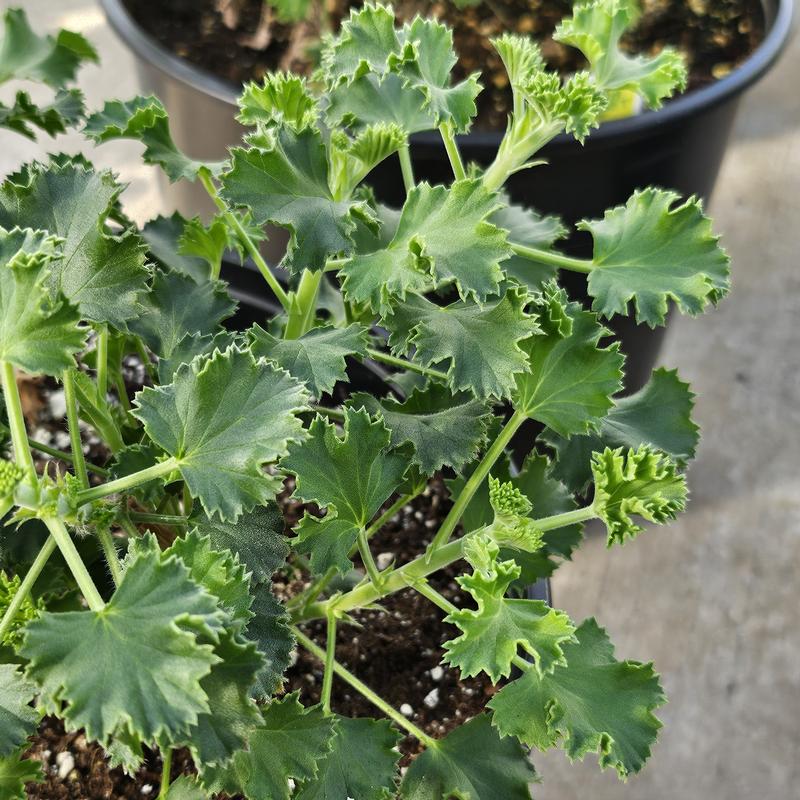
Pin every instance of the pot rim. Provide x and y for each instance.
(778, 14)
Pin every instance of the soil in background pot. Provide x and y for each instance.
(240, 40)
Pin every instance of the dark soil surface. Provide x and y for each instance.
(240, 40)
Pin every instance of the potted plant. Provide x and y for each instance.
(151, 597)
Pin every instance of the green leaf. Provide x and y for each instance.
(256, 538)
(640, 482)
(479, 346)
(280, 99)
(659, 415)
(270, 628)
(288, 744)
(163, 236)
(492, 633)
(9, 586)
(26, 56)
(471, 763)
(352, 158)
(101, 274)
(527, 227)
(15, 772)
(284, 181)
(571, 378)
(185, 788)
(362, 763)
(444, 429)
(17, 719)
(521, 57)
(96, 411)
(133, 458)
(66, 110)
(144, 120)
(189, 348)
(37, 333)
(351, 476)
(223, 418)
(175, 306)
(596, 27)
(317, 358)
(593, 704)
(651, 251)
(208, 242)
(146, 637)
(442, 231)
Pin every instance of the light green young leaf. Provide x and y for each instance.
(101, 274)
(351, 476)
(659, 415)
(17, 719)
(15, 772)
(288, 744)
(521, 57)
(651, 251)
(66, 110)
(270, 628)
(175, 306)
(471, 763)
(478, 346)
(37, 333)
(186, 788)
(571, 378)
(317, 358)
(596, 27)
(444, 429)
(592, 704)
(640, 482)
(492, 633)
(284, 181)
(223, 418)
(51, 60)
(280, 99)
(163, 236)
(444, 232)
(353, 158)
(208, 242)
(145, 120)
(9, 584)
(256, 538)
(146, 637)
(96, 411)
(361, 764)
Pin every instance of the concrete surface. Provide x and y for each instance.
(714, 598)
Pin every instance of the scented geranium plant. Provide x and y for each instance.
(136, 587)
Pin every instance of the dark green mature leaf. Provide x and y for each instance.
(280, 99)
(146, 637)
(15, 772)
(256, 537)
(163, 236)
(444, 429)
(145, 120)
(651, 251)
(478, 345)
(186, 788)
(270, 628)
(593, 704)
(65, 111)
(17, 719)
(640, 482)
(284, 181)
(351, 476)
(103, 275)
(317, 358)
(442, 232)
(659, 415)
(26, 56)
(134, 458)
(288, 744)
(37, 333)
(190, 347)
(596, 27)
(472, 763)
(570, 379)
(176, 306)
(492, 633)
(223, 418)
(362, 763)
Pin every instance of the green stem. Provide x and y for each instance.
(330, 657)
(110, 552)
(567, 518)
(364, 690)
(313, 591)
(304, 305)
(402, 363)
(122, 392)
(16, 420)
(475, 480)
(333, 264)
(76, 445)
(144, 356)
(333, 413)
(426, 590)
(166, 771)
(60, 454)
(551, 257)
(406, 167)
(390, 512)
(450, 145)
(75, 563)
(158, 519)
(128, 481)
(249, 245)
(102, 362)
(366, 556)
(26, 586)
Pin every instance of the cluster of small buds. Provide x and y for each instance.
(507, 500)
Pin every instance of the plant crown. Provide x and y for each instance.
(135, 592)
